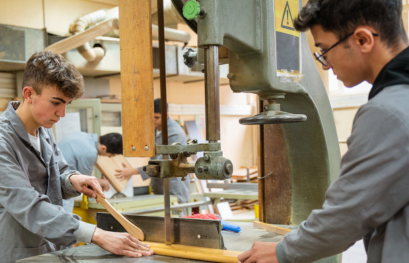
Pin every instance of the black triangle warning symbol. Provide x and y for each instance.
(287, 21)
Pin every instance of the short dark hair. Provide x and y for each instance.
(342, 17)
(46, 68)
(157, 107)
(113, 142)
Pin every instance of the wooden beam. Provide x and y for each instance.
(84, 37)
(136, 78)
(271, 228)
(196, 253)
(275, 189)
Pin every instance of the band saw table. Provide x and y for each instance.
(241, 241)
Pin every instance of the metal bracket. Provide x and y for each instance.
(190, 148)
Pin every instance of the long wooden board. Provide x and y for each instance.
(197, 253)
(133, 230)
(84, 37)
(271, 228)
(135, 32)
(108, 165)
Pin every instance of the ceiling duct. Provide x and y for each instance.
(99, 17)
(17, 44)
(176, 70)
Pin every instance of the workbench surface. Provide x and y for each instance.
(93, 254)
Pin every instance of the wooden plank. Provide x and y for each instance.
(196, 253)
(271, 228)
(133, 230)
(8, 85)
(277, 173)
(5, 75)
(84, 37)
(107, 166)
(137, 78)
(8, 81)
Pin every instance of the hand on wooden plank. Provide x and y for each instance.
(120, 243)
(260, 252)
(87, 185)
(125, 173)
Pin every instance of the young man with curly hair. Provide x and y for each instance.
(35, 178)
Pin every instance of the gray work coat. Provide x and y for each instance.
(371, 197)
(178, 188)
(32, 186)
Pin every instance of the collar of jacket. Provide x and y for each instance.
(18, 125)
(396, 72)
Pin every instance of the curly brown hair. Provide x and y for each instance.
(46, 68)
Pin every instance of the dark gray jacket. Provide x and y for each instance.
(370, 200)
(178, 188)
(32, 186)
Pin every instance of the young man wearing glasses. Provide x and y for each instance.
(360, 40)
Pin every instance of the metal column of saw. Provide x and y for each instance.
(164, 108)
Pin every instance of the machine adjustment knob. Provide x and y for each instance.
(190, 57)
(191, 9)
(229, 168)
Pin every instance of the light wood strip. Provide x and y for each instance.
(133, 230)
(197, 253)
(107, 167)
(5, 75)
(7, 81)
(84, 37)
(271, 228)
(8, 85)
(136, 78)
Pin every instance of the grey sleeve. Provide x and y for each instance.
(372, 188)
(85, 232)
(30, 208)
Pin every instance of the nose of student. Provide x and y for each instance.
(61, 112)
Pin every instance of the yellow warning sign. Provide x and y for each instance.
(285, 12)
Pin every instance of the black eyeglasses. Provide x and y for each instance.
(320, 57)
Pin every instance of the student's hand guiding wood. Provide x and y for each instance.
(87, 185)
(125, 173)
(260, 252)
(120, 243)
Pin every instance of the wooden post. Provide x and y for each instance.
(135, 32)
(275, 189)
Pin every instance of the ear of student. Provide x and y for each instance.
(365, 39)
(28, 93)
(103, 148)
